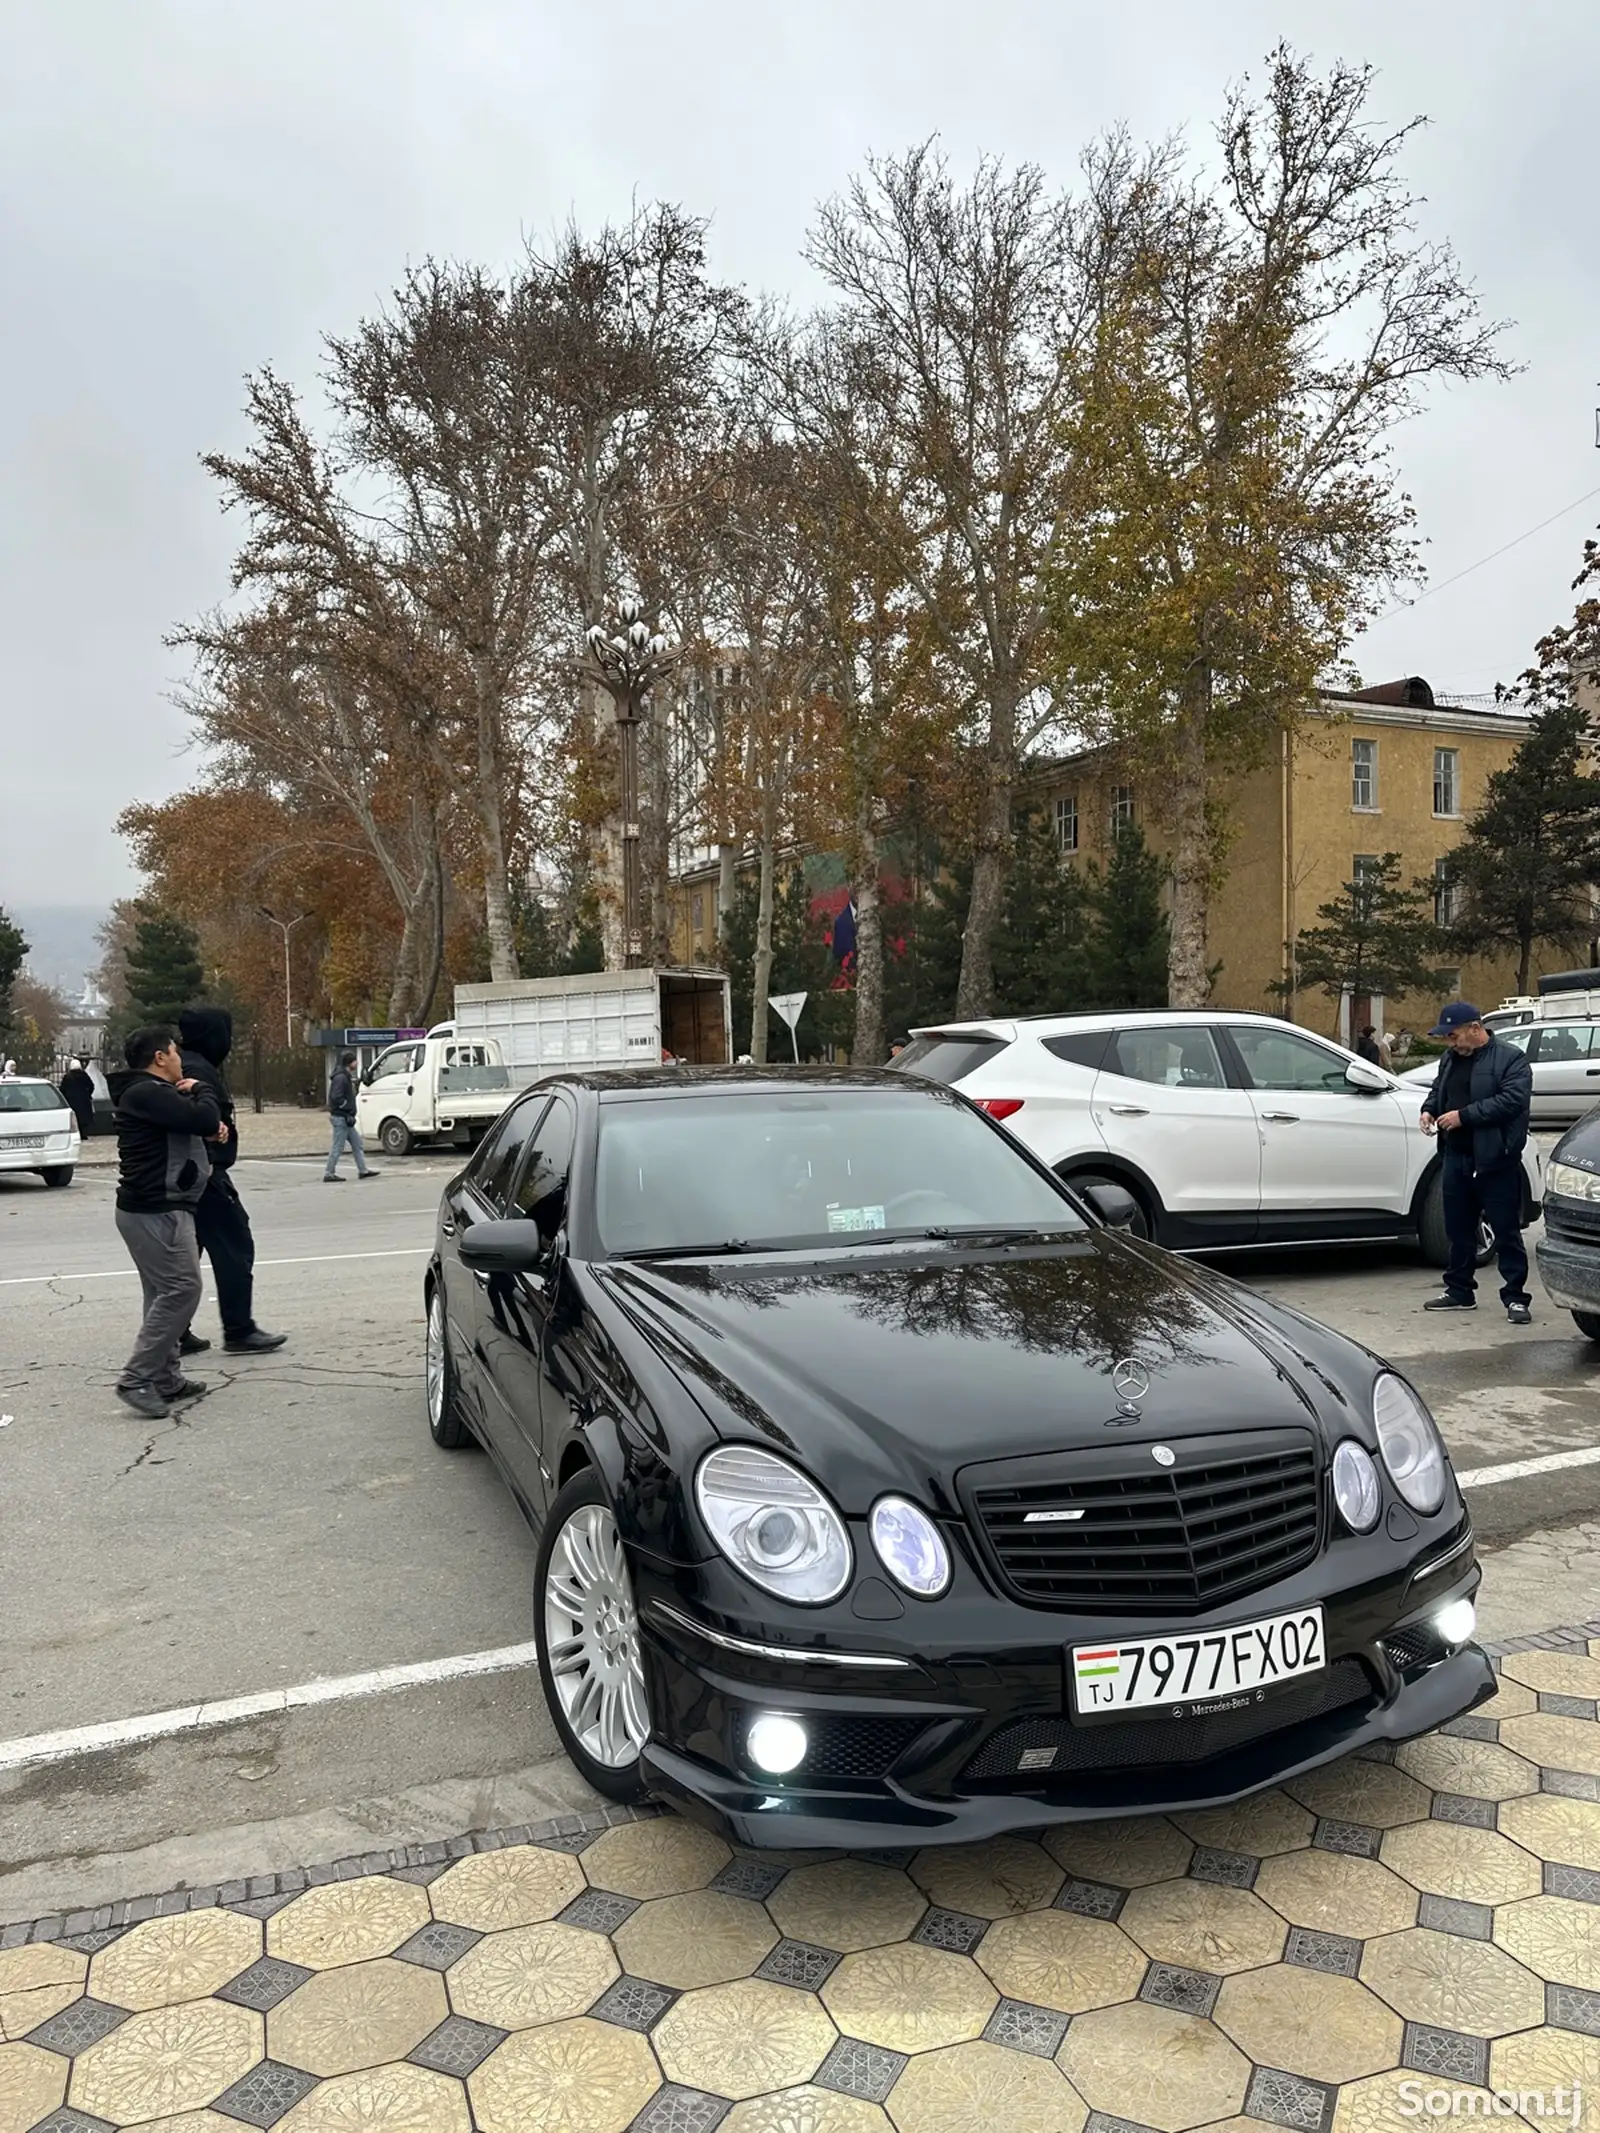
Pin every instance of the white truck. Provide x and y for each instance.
(452, 1084)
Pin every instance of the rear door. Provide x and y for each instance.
(1163, 1099)
(1566, 1069)
(1327, 1149)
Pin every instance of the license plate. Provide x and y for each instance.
(25, 1140)
(1134, 1673)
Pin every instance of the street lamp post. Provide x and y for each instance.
(285, 927)
(628, 662)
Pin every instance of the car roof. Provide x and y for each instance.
(32, 1081)
(1105, 1018)
(615, 1082)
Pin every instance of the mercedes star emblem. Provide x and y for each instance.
(1163, 1454)
(1130, 1381)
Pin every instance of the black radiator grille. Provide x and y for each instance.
(1229, 1516)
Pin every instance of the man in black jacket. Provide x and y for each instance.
(221, 1226)
(164, 1121)
(1479, 1105)
(342, 1118)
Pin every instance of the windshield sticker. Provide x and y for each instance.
(856, 1218)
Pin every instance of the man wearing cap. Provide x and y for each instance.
(1479, 1106)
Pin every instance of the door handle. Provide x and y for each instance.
(1283, 1118)
(447, 1228)
(1129, 1111)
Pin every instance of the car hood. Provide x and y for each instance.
(897, 1372)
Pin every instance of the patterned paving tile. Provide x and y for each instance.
(84, 2023)
(1570, 2007)
(598, 1912)
(1358, 1839)
(633, 2003)
(1447, 2052)
(1461, 1807)
(1027, 2028)
(1334, 1953)
(679, 2110)
(748, 1877)
(798, 1962)
(265, 1983)
(1290, 2100)
(1093, 1899)
(856, 2068)
(1455, 1914)
(1233, 1870)
(265, 2094)
(437, 1946)
(950, 1929)
(457, 2046)
(1190, 1991)
(1581, 1883)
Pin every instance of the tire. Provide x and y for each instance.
(395, 1138)
(1588, 1324)
(59, 1174)
(1141, 1226)
(597, 1702)
(443, 1395)
(1435, 1238)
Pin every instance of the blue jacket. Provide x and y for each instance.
(1497, 1109)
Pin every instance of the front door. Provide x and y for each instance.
(1162, 1100)
(1327, 1149)
(485, 1195)
(1566, 1071)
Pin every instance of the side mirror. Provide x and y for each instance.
(1363, 1075)
(1116, 1207)
(516, 1246)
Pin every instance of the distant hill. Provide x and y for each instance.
(62, 949)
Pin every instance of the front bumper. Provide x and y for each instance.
(1570, 1270)
(938, 1751)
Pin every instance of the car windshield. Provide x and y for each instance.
(842, 1167)
(30, 1096)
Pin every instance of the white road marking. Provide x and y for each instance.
(1485, 1477)
(126, 1273)
(192, 1718)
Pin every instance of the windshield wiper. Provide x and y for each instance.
(1001, 1234)
(729, 1245)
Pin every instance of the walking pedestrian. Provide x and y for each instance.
(78, 1089)
(1479, 1106)
(221, 1225)
(342, 1112)
(1368, 1048)
(164, 1120)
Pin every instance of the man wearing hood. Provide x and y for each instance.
(222, 1228)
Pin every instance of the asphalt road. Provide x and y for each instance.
(297, 1523)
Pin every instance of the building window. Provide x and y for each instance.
(1121, 809)
(1447, 781)
(1363, 870)
(1364, 774)
(1446, 895)
(697, 914)
(1067, 822)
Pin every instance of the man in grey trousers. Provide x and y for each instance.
(164, 1120)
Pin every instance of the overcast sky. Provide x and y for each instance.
(192, 188)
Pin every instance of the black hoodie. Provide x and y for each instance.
(205, 1037)
(161, 1146)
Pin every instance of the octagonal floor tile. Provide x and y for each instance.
(1201, 1925)
(32, 2084)
(964, 2086)
(168, 2060)
(41, 1963)
(1153, 2066)
(1548, 2059)
(1061, 1959)
(343, 2021)
(389, 2099)
(807, 2110)
(910, 1998)
(532, 1974)
(1552, 1673)
(1327, 2028)
(703, 1938)
(661, 1857)
(847, 1904)
(1510, 1700)
(1555, 1937)
(1451, 1983)
(347, 1922)
(1127, 1855)
(1554, 1827)
(1450, 1859)
(1558, 1743)
(1476, 1767)
(21, 2012)
(1266, 1823)
(1388, 2101)
(518, 1886)
(1358, 1791)
(744, 2039)
(569, 2077)
(1335, 1893)
(999, 1879)
(165, 1960)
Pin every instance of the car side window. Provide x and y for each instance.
(495, 1165)
(396, 1060)
(1564, 1041)
(544, 1174)
(1175, 1057)
(1283, 1059)
(1520, 1040)
(1084, 1048)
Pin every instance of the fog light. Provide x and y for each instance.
(775, 1744)
(1456, 1622)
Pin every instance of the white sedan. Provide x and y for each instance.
(37, 1130)
(1227, 1129)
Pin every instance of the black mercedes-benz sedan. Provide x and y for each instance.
(887, 1492)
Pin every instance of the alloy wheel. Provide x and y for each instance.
(592, 1639)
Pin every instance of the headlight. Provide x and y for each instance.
(1568, 1182)
(910, 1547)
(1412, 1450)
(1355, 1486)
(774, 1524)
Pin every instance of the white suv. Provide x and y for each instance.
(1228, 1129)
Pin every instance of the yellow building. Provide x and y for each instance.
(1388, 769)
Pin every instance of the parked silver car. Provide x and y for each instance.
(1565, 1057)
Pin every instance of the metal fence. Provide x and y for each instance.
(263, 1074)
